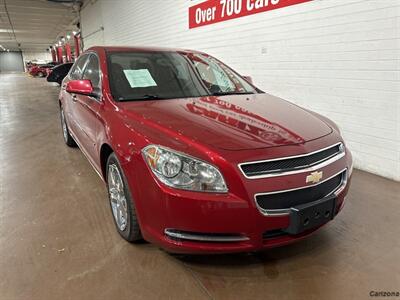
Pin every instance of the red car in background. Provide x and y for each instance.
(197, 159)
(40, 70)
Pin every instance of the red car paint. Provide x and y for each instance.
(223, 130)
(40, 70)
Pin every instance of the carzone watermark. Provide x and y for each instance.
(214, 11)
(386, 294)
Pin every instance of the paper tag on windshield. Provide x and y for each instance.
(139, 78)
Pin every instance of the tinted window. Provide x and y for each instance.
(64, 67)
(163, 75)
(92, 71)
(59, 72)
(77, 69)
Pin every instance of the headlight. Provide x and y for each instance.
(182, 171)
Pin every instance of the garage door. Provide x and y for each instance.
(11, 62)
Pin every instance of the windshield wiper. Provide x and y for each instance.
(230, 93)
(144, 97)
(149, 97)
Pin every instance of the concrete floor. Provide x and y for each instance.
(57, 238)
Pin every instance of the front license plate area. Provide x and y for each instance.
(310, 215)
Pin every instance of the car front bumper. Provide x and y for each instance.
(221, 228)
(199, 223)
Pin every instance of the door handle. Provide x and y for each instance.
(74, 98)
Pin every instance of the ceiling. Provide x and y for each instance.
(35, 24)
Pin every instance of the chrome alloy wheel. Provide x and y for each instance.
(117, 196)
(64, 125)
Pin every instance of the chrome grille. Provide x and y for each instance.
(275, 167)
(280, 202)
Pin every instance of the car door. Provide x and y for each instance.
(86, 109)
(71, 98)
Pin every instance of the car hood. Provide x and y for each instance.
(234, 122)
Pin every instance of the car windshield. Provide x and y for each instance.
(166, 75)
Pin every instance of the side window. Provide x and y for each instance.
(92, 72)
(77, 69)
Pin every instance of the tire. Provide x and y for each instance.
(121, 202)
(40, 74)
(64, 127)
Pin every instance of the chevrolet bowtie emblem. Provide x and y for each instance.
(314, 177)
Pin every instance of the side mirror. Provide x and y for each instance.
(83, 87)
(248, 79)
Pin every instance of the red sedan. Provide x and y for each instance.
(41, 70)
(197, 159)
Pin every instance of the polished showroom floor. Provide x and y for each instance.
(57, 238)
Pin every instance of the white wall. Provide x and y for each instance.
(340, 58)
(91, 24)
(36, 55)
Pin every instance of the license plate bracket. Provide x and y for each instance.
(310, 215)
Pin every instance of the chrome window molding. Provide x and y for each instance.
(286, 211)
(310, 168)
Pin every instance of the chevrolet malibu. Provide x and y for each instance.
(197, 159)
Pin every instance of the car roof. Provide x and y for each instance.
(140, 49)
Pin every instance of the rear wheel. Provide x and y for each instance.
(67, 137)
(121, 202)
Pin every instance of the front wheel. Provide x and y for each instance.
(121, 202)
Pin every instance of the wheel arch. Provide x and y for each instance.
(105, 152)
